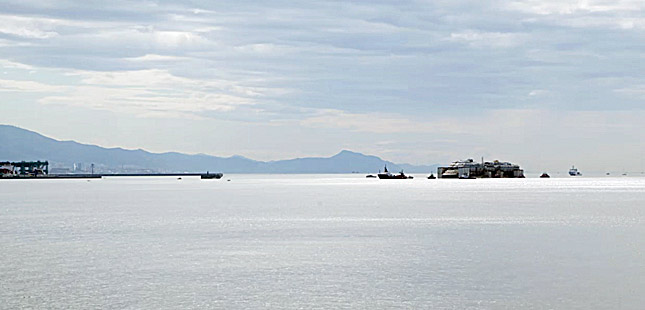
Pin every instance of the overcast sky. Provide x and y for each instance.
(544, 83)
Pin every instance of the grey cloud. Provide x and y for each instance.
(415, 59)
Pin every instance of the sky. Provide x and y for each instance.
(542, 83)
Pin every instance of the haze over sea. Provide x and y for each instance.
(324, 242)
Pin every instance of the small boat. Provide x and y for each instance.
(545, 175)
(370, 176)
(387, 175)
(431, 176)
(574, 172)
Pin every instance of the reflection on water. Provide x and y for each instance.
(323, 241)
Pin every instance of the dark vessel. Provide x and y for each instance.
(212, 175)
(387, 175)
(370, 176)
(545, 175)
(431, 176)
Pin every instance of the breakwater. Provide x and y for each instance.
(104, 175)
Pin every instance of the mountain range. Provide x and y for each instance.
(17, 144)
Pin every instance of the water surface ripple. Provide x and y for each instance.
(322, 242)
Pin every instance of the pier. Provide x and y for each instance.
(40, 170)
(107, 175)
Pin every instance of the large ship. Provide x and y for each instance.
(469, 169)
(574, 172)
(387, 175)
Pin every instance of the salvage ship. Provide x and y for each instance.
(387, 175)
(469, 169)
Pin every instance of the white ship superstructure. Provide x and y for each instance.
(469, 169)
(574, 172)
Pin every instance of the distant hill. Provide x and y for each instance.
(17, 144)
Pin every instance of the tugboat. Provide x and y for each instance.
(574, 172)
(431, 176)
(387, 175)
(545, 175)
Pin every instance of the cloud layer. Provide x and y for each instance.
(364, 68)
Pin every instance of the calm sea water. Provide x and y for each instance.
(322, 242)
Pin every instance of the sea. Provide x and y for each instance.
(322, 242)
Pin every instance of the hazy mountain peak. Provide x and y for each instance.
(18, 144)
(239, 157)
(345, 153)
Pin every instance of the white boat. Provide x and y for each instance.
(574, 172)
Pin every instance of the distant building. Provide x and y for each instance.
(24, 168)
(78, 167)
(6, 169)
